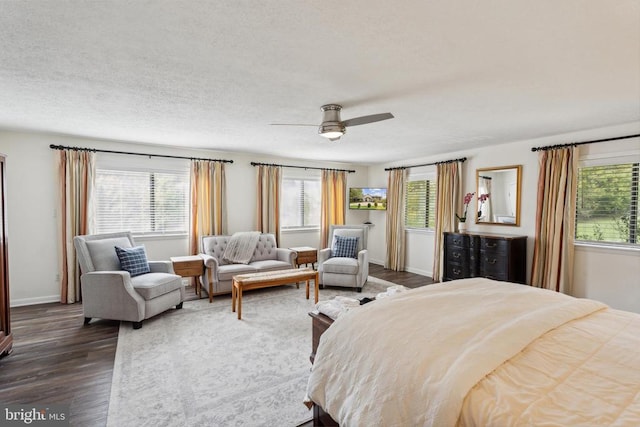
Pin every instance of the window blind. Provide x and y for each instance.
(420, 204)
(300, 204)
(607, 203)
(143, 202)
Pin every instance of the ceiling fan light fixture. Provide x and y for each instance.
(332, 130)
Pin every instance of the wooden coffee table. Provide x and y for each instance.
(245, 282)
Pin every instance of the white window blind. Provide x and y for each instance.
(420, 204)
(300, 203)
(143, 202)
(607, 203)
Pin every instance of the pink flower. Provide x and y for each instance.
(466, 201)
(483, 198)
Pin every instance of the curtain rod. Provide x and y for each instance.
(95, 150)
(573, 144)
(463, 159)
(301, 167)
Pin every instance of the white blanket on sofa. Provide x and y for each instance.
(411, 359)
(241, 247)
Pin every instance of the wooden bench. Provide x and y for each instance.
(246, 282)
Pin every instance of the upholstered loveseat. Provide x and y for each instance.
(219, 273)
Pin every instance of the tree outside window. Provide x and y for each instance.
(607, 204)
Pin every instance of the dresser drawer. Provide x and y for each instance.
(456, 271)
(456, 240)
(494, 266)
(455, 254)
(494, 245)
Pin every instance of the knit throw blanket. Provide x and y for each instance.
(241, 246)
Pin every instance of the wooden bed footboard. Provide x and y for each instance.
(321, 418)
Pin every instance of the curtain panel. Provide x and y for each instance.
(269, 179)
(76, 176)
(553, 252)
(332, 208)
(208, 202)
(395, 234)
(448, 192)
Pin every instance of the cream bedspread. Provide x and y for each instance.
(412, 359)
(584, 373)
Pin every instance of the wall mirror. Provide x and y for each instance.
(502, 185)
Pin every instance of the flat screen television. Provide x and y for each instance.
(368, 198)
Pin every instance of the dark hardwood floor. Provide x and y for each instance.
(57, 360)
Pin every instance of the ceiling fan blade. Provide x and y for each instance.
(367, 119)
(290, 124)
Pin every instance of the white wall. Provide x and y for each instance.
(608, 274)
(32, 206)
(611, 275)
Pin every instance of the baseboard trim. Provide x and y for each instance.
(419, 271)
(407, 269)
(34, 301)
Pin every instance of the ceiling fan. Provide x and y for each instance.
(333, 128)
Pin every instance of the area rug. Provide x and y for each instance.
(201, 366)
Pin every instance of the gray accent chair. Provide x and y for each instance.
(108, 292)
(342, 271)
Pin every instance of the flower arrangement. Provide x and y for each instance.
(467, 200)
(481, 199)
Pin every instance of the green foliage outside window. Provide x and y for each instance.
(420, 204)
(607, 204)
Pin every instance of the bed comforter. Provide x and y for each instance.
(479, 352)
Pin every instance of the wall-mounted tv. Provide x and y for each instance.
(368, 198)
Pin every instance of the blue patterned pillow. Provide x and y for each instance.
(346, 247)
(133, 260)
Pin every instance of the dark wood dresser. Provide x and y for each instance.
(494, 256)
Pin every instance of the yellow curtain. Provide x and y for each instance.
(76, 175)
(208, 201)
(332, 209)
(395, 219)
(447, 199)
(268, 214)
(552, 266)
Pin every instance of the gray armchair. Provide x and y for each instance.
(340, 270)
(109, 292)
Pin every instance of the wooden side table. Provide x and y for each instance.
(306, 255)
(189, 266)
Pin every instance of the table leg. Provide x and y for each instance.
(233, 296)
(239, 292)
(316, 286)
(210, 287)
(307, 288)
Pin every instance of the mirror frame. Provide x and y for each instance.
(518, 169)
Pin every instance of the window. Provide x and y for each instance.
(420, 211)
(143, 202)
(607, 203)
(300, 203)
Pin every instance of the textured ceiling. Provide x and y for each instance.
(215, 74)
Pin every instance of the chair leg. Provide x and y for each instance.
(179, 306)
(87, 320)
(137, 325)
(358, 289)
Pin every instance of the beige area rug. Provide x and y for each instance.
(201, 366)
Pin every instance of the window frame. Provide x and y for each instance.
(292, 176)
(150, 165)
(430, 176)
(610, 159)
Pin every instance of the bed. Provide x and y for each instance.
(477, 352)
